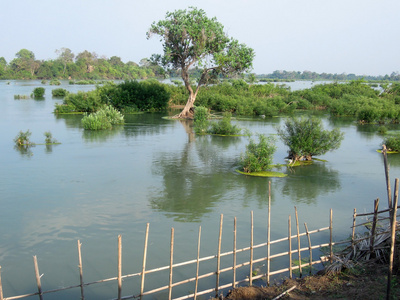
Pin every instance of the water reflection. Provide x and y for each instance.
(193, 179)
(307, 183)
(70, 120)
(100, 135)
(24, 151)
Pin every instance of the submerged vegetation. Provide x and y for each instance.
(306, 138)
(258, 156)
(104, 118)
(38, 92)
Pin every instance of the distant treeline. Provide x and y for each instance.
(84, 65)
(89, 65)
(308, 75)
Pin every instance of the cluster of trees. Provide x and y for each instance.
(84, 65)
(308, 75)
(129, 96)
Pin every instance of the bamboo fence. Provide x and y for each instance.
(217, 270)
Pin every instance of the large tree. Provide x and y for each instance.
(65, 56)
(191, 39)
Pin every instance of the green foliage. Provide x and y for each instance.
(38, 92)
(55, 82)
(59, 92)
(382, 129)
(49, 138)
(64, 108)
(148, 95)
(224, 127)
(258, 156)
(19, 97)
(23, 139)
(392, 142)
(201, 122)
(84, 101)
(306, 137)
(105, 118)
(191, 38)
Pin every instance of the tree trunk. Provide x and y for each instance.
(187, 112)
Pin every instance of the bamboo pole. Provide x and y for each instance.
(290, 246)
(171, 265)
(309, 246)
(219, 256)
(393, 238)
(372, 239)
(234, 253)
(298, 241)
(269, 232)
(80, 269)
(1, 287)
(39, 284)
(330, 237)
(354, 227)
(146, 239)
(119, 267)
(251, 249)
(197, 264)
(385, 162)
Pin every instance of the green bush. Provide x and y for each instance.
(105, 118)
(49, 138)
(59, 93)
(55, 82)
(23, 139)
(306, 138)
(392, 142)
(258, 156)
(224, 127)
(201, 122)
(64, 108)
(38, 92)
(84, 101)
(19, 97)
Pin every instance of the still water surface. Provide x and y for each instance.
(97, 185)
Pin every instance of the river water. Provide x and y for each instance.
(95, 186)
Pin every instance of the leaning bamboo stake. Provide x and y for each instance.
(1, 287)
(80, 269)
(309, 246)
(372, 239)
(171, 263)
(234, 253)
(197, 264)
(219, 256)
(119, 267)
(146, 239)
(330, 237)
(298, 240)
(393, 237)
(251, 249)
(39, 284)
(290, 246)
(385, 162)
(269, 232)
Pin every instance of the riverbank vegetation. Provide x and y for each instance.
(356, 99)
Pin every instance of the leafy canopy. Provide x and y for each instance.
(192, 39)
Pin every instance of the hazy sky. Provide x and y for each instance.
(332, 36)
